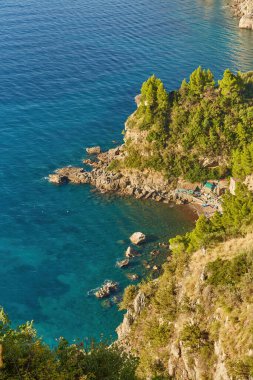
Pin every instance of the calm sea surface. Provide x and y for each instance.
(69, 73)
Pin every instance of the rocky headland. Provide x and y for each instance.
(146, 184)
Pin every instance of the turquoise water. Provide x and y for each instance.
(69, 73)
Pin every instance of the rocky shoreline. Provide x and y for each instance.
(140, 184)
(244, 10)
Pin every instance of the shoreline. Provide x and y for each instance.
(143, 185)
(243, 9)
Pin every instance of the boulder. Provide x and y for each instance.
(130, 252)
(123, 263)
(246, 22)
(138, 238)
(132, 277)
(106, 289)
(93, 150)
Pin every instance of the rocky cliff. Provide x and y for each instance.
(195, 322)
(244, 10)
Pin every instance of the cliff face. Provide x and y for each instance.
(195, 322)
(244, 10)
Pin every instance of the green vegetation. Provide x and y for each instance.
(202, 131)
(194, 338)
(243, 161)
(228, 272)
(26, 357)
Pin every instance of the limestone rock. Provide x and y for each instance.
(244, 10)
(69, 174)
(130, 252)
(246, 22)
(93, 150)
(138, 238)
(123, 263)
(106, 289)
(125, 327)
(58, 179)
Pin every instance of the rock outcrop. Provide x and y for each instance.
(69, 174)
(146, 184)
(93, 150)
(132, 313)
(244, 10)
(130, 252)
(138, 238)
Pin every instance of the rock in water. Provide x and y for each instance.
(106, 289)
(132, 276)
(123, 263)
(69, 174)
(58, 179)
(138, 238)
(130, 252)
(93, 150)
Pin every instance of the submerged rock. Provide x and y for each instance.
(106, 289)
(123, 263)
(132, 276)
(138, 238)
(130, 252)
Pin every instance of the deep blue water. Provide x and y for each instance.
(69, 73)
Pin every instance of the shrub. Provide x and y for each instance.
(227, 272)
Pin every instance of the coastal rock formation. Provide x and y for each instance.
(106, 289)
(93, 150)
(132, 313)
(123, 263)
(146, 184)
(130, 252)
(138, 238)
(246, 22)
(244, 10)
(69, 174)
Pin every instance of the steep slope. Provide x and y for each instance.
(196, 320)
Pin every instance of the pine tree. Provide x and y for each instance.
(230, 84)
(162, 98)
(201, 80)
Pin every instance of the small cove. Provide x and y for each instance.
(69, 75)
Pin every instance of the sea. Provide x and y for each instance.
(69, 72)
